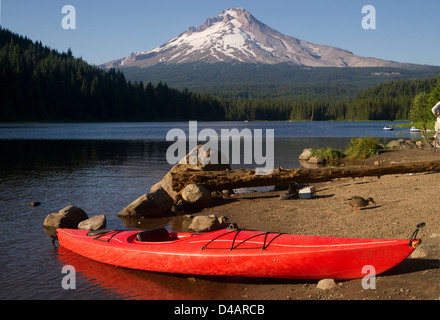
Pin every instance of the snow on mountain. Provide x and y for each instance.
(235, 35)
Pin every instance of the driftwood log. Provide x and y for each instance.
(232, 179)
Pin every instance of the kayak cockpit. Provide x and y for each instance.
(156, 235)
(148, 236)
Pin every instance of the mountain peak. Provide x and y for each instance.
(236, 16)
(236, 35)
(236, 13)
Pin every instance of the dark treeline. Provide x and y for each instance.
(41, 84)
(390, 100)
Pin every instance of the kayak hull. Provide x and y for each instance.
(241, 253)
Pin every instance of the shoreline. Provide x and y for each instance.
(209, 121)
(402, 201)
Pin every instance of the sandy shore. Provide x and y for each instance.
(402, 201)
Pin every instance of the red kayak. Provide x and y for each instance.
(241, 253)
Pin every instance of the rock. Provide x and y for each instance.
(196, 196)
(402, 144)
(69, 217)
(317, 160)
(204, 223)
(228, 193)
(326, 284)
(160, 203)
(308, 165)
(34, 204)
(222, 219)
(155, 204)
(93, 223)
(305, 155)
(394, 143)
(420, 144)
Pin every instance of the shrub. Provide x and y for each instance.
(362, 148)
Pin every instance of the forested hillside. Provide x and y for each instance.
(279, 81)
(41, 84)
(391, 100)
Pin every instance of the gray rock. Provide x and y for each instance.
(196, 196)
(402, 144)
(305, 155)
(155, 204)
(68, 217)
(93, 223)
(317, 160)
(204, 223)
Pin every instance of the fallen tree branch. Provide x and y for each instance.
(232, 179)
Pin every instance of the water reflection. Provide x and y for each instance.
(50, 154)
(132, 284)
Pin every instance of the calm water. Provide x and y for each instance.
(101, 168)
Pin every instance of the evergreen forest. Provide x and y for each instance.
(38, 83)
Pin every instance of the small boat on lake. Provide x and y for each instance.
(241, 253)
(388, 128)
(414, 129)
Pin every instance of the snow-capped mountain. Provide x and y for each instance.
(235, 35)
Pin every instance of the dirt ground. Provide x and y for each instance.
(402, 201)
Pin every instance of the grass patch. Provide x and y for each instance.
(328, 154)
(358, 148)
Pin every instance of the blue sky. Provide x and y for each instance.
(406, 31)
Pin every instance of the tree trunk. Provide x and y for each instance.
(232, 179)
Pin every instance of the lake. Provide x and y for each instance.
(101, 168)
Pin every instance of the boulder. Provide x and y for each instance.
(69, 217)
(204, 223)
(154, 204)
(306, 154)
(402, 144)
(317, 160)
(196, 196)
(93, 223)
(162, 197)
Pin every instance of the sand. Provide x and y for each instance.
(402, 201)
